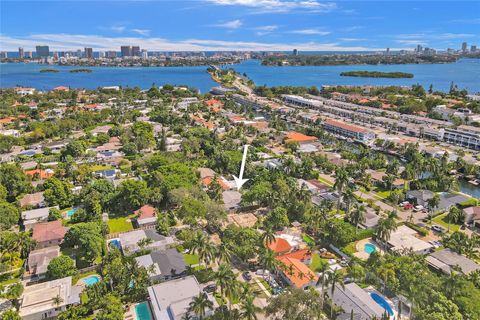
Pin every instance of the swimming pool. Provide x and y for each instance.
(71, 212)
(382, 302)
(142, 311)
(91, 280)
(369, 248)
(115, 243)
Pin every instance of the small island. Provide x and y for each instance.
(49, 70)
(376, 74)
(81, 70)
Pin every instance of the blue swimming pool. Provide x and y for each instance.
(382, 302)
(115, 243)
(71, 212)
(369, 248)
(91, 280)
(142, 311)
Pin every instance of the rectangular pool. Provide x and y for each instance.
(142, 311)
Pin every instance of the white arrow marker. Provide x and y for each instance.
(240, 181)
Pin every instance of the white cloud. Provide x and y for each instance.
(117, 28)
(263, 30)
(61, 42)
(234, 24)
(353, 39)
(311, 32)
(269, 6)
(142, 32)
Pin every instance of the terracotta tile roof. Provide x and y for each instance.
(299, 137)
(280, 246)
(214, 102)
(61, 88)
(208, 180)
(32, 199)
(48, 231)
(147, 211)
(42, 174)
(297, 272)
(346, 126)
(7, 120)
(301, 255)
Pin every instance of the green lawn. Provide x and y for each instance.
(325, 182)
(308, 239)
(383, 194)
(316, 262)
(190, 259)
(266, 285)
(121, 224)
(443, 221)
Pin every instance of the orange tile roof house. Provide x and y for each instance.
(61, 88)
(297, 273)
(280, 246)
(39, 173)
(48, 234)
(299, 137)
(146, 216)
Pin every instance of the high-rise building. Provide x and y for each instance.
(21, 54)
(387, 52)
(473, 48)
(89, 53)
(42, 51)
(29, 55)
(111, 54)
(295, 52)
(136, 51)
(144, 54)
(101, 54)
(464, 47)
(126, 51)
(79, 53)
(3, 55)
(419, 48)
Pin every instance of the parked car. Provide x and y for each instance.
(438, 229)
(247, 276)
(418, 208)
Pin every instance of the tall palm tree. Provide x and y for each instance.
(385, 227)
(268, 236)
(341, 182)
(334, 277)
(223, 278)
(200, 304)
(349, 199)
(357, 215)
(433, 204)
(223, 254)
(248, 309)
(268, 261)
(323, 270)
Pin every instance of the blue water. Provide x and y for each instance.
(115, 243)
(91, 280)
(29, 75)
(382, 302)
(465, 73)
(369, 248)
(71, 212)
(143, 311)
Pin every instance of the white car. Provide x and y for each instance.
(418, 208)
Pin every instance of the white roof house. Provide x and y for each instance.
(31, 217)
(170, 300)
(404, 238)
(37, 301)
(130, 241)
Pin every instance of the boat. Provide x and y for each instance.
(475, 182)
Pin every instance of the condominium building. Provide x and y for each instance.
(343, 129)
(301, 101)
(465, 136)
(89, 53)
(42, 51)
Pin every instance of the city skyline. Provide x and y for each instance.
(224, 25)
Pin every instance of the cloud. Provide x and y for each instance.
(278, 6)
(353, 39)
(142, 32)
(263, 30)
(72, 42)
(313, 31)
(234, 24)
(118, 29)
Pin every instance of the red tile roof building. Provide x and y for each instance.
(299, 137)
(48, 234)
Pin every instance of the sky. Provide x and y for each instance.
(212, 25)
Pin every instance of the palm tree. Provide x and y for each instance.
(224, 277)
(334, 277)
(200, 304)
(349, 198)
(268, 236)
(385, 227)
(223, 254)
(323, 270)
(357, 216)
(268, 260)
(57, 300)
(248, 309)
(203, 248)
(433, 204)
(341, 182)
(454, 215)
